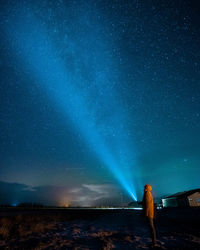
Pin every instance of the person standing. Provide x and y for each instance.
(148, 207)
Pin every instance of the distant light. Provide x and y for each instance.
(14, 205)
(67, 205)
(101, 208)
(113, 208)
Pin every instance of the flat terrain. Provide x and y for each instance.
(97, 229)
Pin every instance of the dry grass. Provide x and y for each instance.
(20, 226)
(6, 227)
(71, 231)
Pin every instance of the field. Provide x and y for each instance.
(97, 229)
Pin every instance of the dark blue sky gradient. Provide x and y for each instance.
(98, 97)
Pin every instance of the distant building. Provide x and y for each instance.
(189, 198)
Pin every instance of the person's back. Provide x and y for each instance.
(148, 206)
(147, 203)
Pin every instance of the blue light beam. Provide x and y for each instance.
(35, 50)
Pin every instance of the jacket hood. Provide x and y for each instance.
(147, 187)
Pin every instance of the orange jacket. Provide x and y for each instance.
(147, 203)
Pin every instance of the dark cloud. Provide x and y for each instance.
(85, 195)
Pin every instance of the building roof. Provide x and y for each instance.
(184, 193)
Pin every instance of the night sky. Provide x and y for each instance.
(98, 98)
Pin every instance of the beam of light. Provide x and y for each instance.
(37, 52)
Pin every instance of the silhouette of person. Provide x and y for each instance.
(148, 207)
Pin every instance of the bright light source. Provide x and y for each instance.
(133, 196)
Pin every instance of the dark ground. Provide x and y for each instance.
(97, 229)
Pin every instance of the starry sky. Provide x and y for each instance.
(98, 98)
